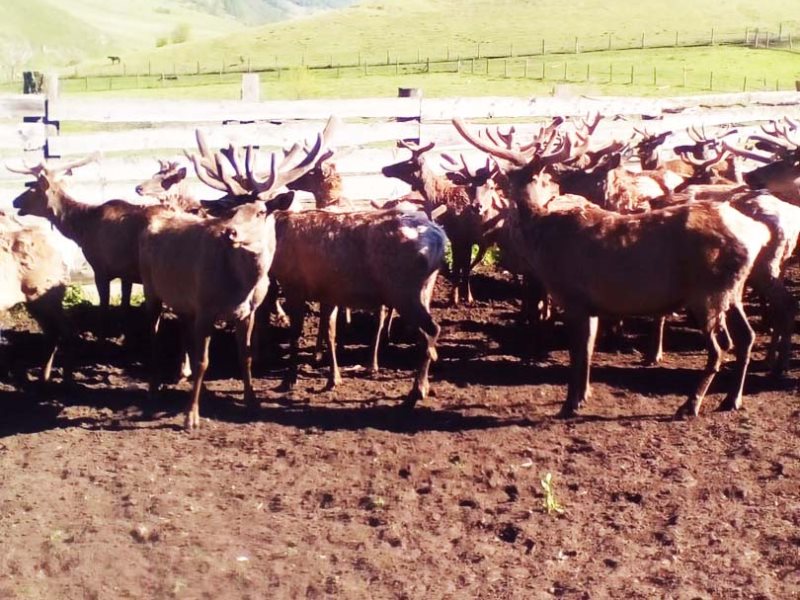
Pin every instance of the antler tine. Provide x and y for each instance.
(74, 164)
(508, 136)
(694, 134)
(204, 174)
(590, 122)
(231, 153)
(231, 183)
(27, 170)
(701, 166)
(448, 157)
(747, 153)
(515, 157)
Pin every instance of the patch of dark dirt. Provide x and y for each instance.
(340, 494)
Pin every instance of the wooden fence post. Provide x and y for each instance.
(542, 46)
(712, 36)
(250, 87)
(676, 39)
(643, 40)
(565, 70)
(588, 71)
(577, 48)
(746, 36)
(631, 74)
(711, 81)
(611, 73)
(744, 85)
(609, 41)
(655, 76)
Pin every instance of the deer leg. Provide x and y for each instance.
(244, 335)
(296, 311)
(126, 286)
(103, 285)
(781, 313)
(458, 272)
(202, 340)
(743, 338)
(655, 353)
(322, 334)
(583, 333)
(692, 406)
(154, 308)
(418, 315)
(376, 342)
(328, 314)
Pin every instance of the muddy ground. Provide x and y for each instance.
(102, 495)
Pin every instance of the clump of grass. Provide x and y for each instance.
(74, 296)
(550, 503)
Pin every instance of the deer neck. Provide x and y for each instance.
(67, 214)
(330, 191)
(434, 187)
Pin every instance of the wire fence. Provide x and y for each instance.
(558, 60)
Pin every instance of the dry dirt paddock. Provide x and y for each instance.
(102, 495)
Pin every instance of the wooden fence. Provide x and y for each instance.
(132, 134)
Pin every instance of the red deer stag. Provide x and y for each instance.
(598, 263)
(216, 269)
(107, 233)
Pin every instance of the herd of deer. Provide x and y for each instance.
(584, 229)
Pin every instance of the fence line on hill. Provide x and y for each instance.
(463, 57)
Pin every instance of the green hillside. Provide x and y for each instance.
(406, 28)
(43, 33)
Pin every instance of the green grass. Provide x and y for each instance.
(46, 33)
(408, 29)
(678, 71)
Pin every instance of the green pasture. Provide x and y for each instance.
(656, 72)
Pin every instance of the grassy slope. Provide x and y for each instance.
(432, 27)
(56, 32)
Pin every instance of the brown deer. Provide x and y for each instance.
(216, 269)
(595, 262)
(462, 224)
(107, 233)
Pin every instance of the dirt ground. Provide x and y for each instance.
(102, 495)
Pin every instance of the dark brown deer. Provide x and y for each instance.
(107, 233)
(462, 224)
(595, 262)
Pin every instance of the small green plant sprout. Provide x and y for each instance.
(74, 296)
(550, 504)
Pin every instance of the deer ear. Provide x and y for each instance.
(281, 202)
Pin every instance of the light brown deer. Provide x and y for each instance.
(595, 262)
(33, 271)
(216, 269)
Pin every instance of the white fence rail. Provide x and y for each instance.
(131, 134)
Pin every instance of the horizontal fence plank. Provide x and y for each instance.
(438, 109)
(256, 134)
(17, 106)
(195, 111)
(24, 136)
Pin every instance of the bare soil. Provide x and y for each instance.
(336, 494)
